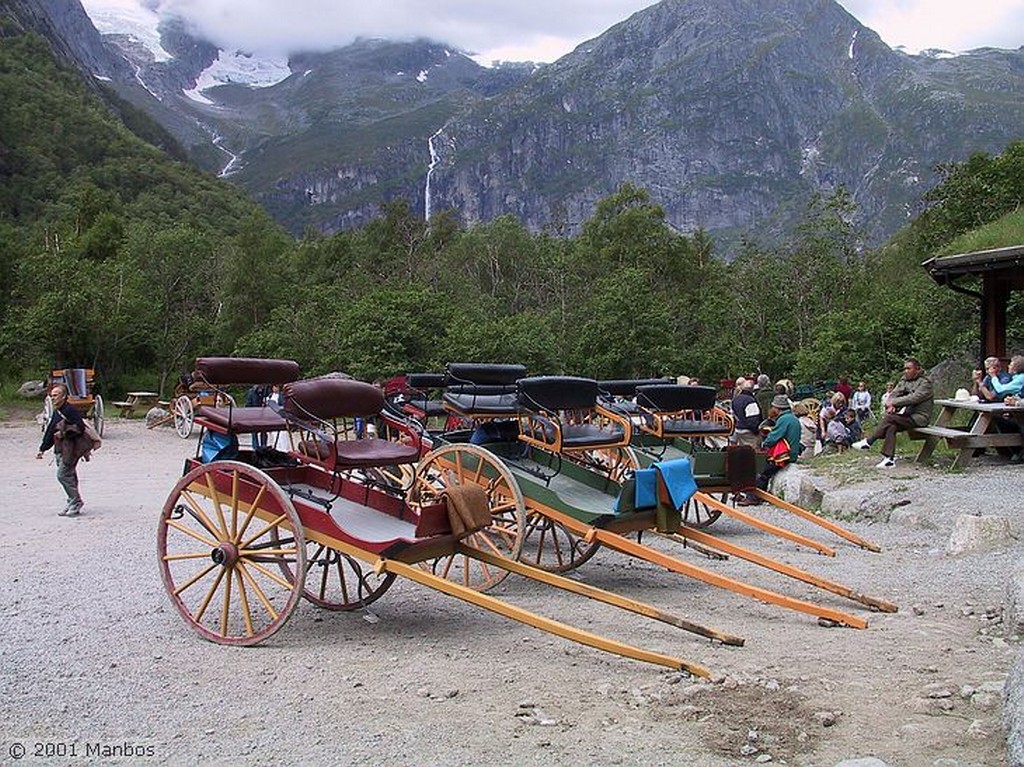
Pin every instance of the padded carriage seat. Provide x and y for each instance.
(618, 393)
(563, 413)
(483, 391)
(243, 420)
(418, 385)
(330, 398)
(224, 371)
(672, 410)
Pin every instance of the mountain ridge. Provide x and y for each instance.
(732, 115)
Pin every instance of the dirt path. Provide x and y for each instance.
(95, 662)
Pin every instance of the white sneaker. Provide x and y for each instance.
(860, 444)
(885, 463)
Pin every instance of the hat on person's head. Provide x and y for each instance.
(683, 380)
(780, 402)
(962, 395)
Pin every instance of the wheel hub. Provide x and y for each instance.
(225, 555)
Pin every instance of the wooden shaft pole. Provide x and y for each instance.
(600, 595)
(414, 573)
(811, 517)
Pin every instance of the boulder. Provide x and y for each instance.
(32, 390)
(1013, 615)
(868, 501)
(154, 414)
(973, 533)
(1013, 713)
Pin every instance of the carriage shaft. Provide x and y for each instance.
(804, 514)
(689, 534)
(488, 602)
(768, 527)
(601, 595)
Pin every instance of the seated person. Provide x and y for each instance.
(834, 407)
(786, 434)
(1012, 391)
(747, 414)
(808, 428)
(843, 431)
(909, 407)
(994, 385)
(860, 402)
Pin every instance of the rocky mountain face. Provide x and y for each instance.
(730, 113)
(70, 33)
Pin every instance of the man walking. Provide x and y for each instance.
(65, 423)
(909, 407)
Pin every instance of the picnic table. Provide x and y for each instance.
(981, 433)
(135, 400)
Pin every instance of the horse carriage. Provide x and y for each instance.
(245, 534)
(80, 384)
(576, 464)
(191, 393)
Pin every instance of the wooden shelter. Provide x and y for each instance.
(999, 272)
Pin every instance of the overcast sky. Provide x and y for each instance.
(543, 30)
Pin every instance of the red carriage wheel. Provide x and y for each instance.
(226, 532)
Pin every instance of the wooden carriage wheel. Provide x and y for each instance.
(336, 581)
(552, 546)
(698, 514)
(184, 416)
(458, 464)
(97, 414)
(225, 533)
(47, 411)
(813, 407)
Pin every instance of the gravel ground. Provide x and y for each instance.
(96, 667)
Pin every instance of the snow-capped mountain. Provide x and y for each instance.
(141, 34)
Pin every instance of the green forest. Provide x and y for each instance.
(116, 256)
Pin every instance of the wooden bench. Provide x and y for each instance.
(961, 439)
(127, 408)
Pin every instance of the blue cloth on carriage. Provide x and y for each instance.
(645, 491)
(218, 447)
(677, 474)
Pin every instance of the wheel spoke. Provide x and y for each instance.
(225, 611)
(243, 568)
(194, 579)
(250, 514)
(215, 498)
(244, 597)
(209, 595)
(179, 557)
(269, 573)
(200, 515)
(276, 522)
(191, 533)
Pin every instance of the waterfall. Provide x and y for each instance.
(430, 172)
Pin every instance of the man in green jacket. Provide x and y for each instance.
(784, 437)
(910, 407)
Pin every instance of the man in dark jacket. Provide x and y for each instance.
(747, 414)
(65, 423)
(909, 407)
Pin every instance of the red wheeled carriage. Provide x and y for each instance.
(245, 534)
